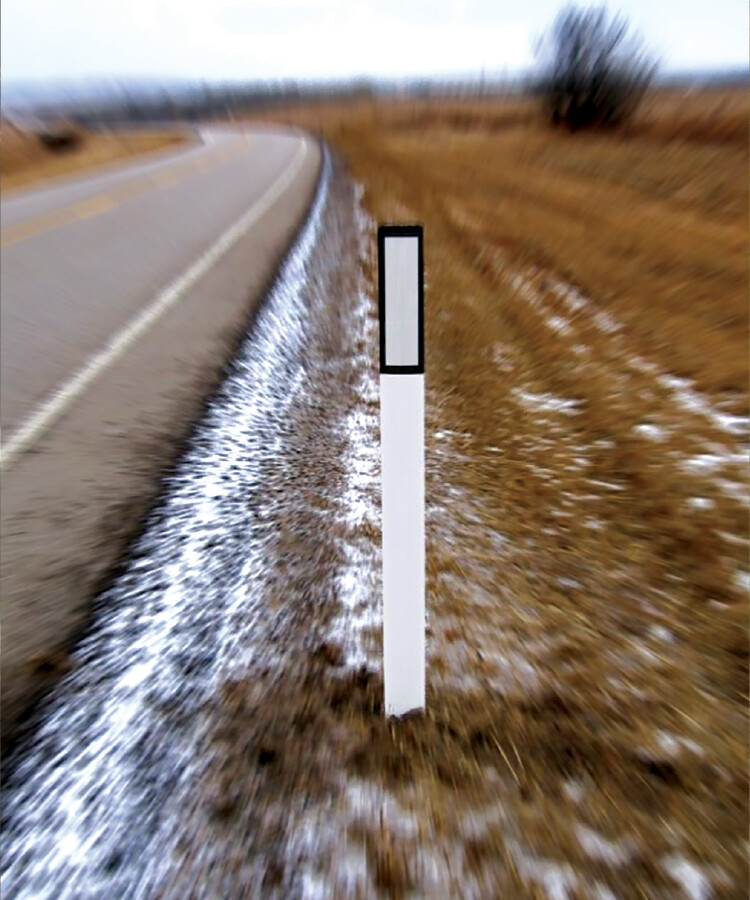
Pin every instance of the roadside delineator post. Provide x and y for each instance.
(401, 302)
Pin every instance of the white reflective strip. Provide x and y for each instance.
(401, 301)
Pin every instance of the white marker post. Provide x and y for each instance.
(401, 294)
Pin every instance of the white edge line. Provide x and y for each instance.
(55, 405)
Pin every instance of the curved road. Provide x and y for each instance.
(124, 293)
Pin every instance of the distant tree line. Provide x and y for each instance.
(196, 102)
(190, 104)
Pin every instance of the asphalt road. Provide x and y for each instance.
(124, 293)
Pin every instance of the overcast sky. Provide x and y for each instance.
(228, 39)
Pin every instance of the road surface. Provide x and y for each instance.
(124, 293)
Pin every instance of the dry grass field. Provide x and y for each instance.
(586, 731)
(587, 391)
(24, 160)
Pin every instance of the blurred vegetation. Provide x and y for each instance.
(595, 72)
(59, 137)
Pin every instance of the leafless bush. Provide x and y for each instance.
(594, 71)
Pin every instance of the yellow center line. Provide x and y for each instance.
(93, 206)
(32, 227)
(100, 203)
(164, 179)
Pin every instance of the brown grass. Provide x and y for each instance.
(607, 562)
(709, 116)
(24, 160)
(653, 229)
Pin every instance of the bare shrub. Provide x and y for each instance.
(594, 71)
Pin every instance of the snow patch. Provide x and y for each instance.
(690, 878)
(614, 853)
(651, 431)
(546, 402)
(701, 503)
